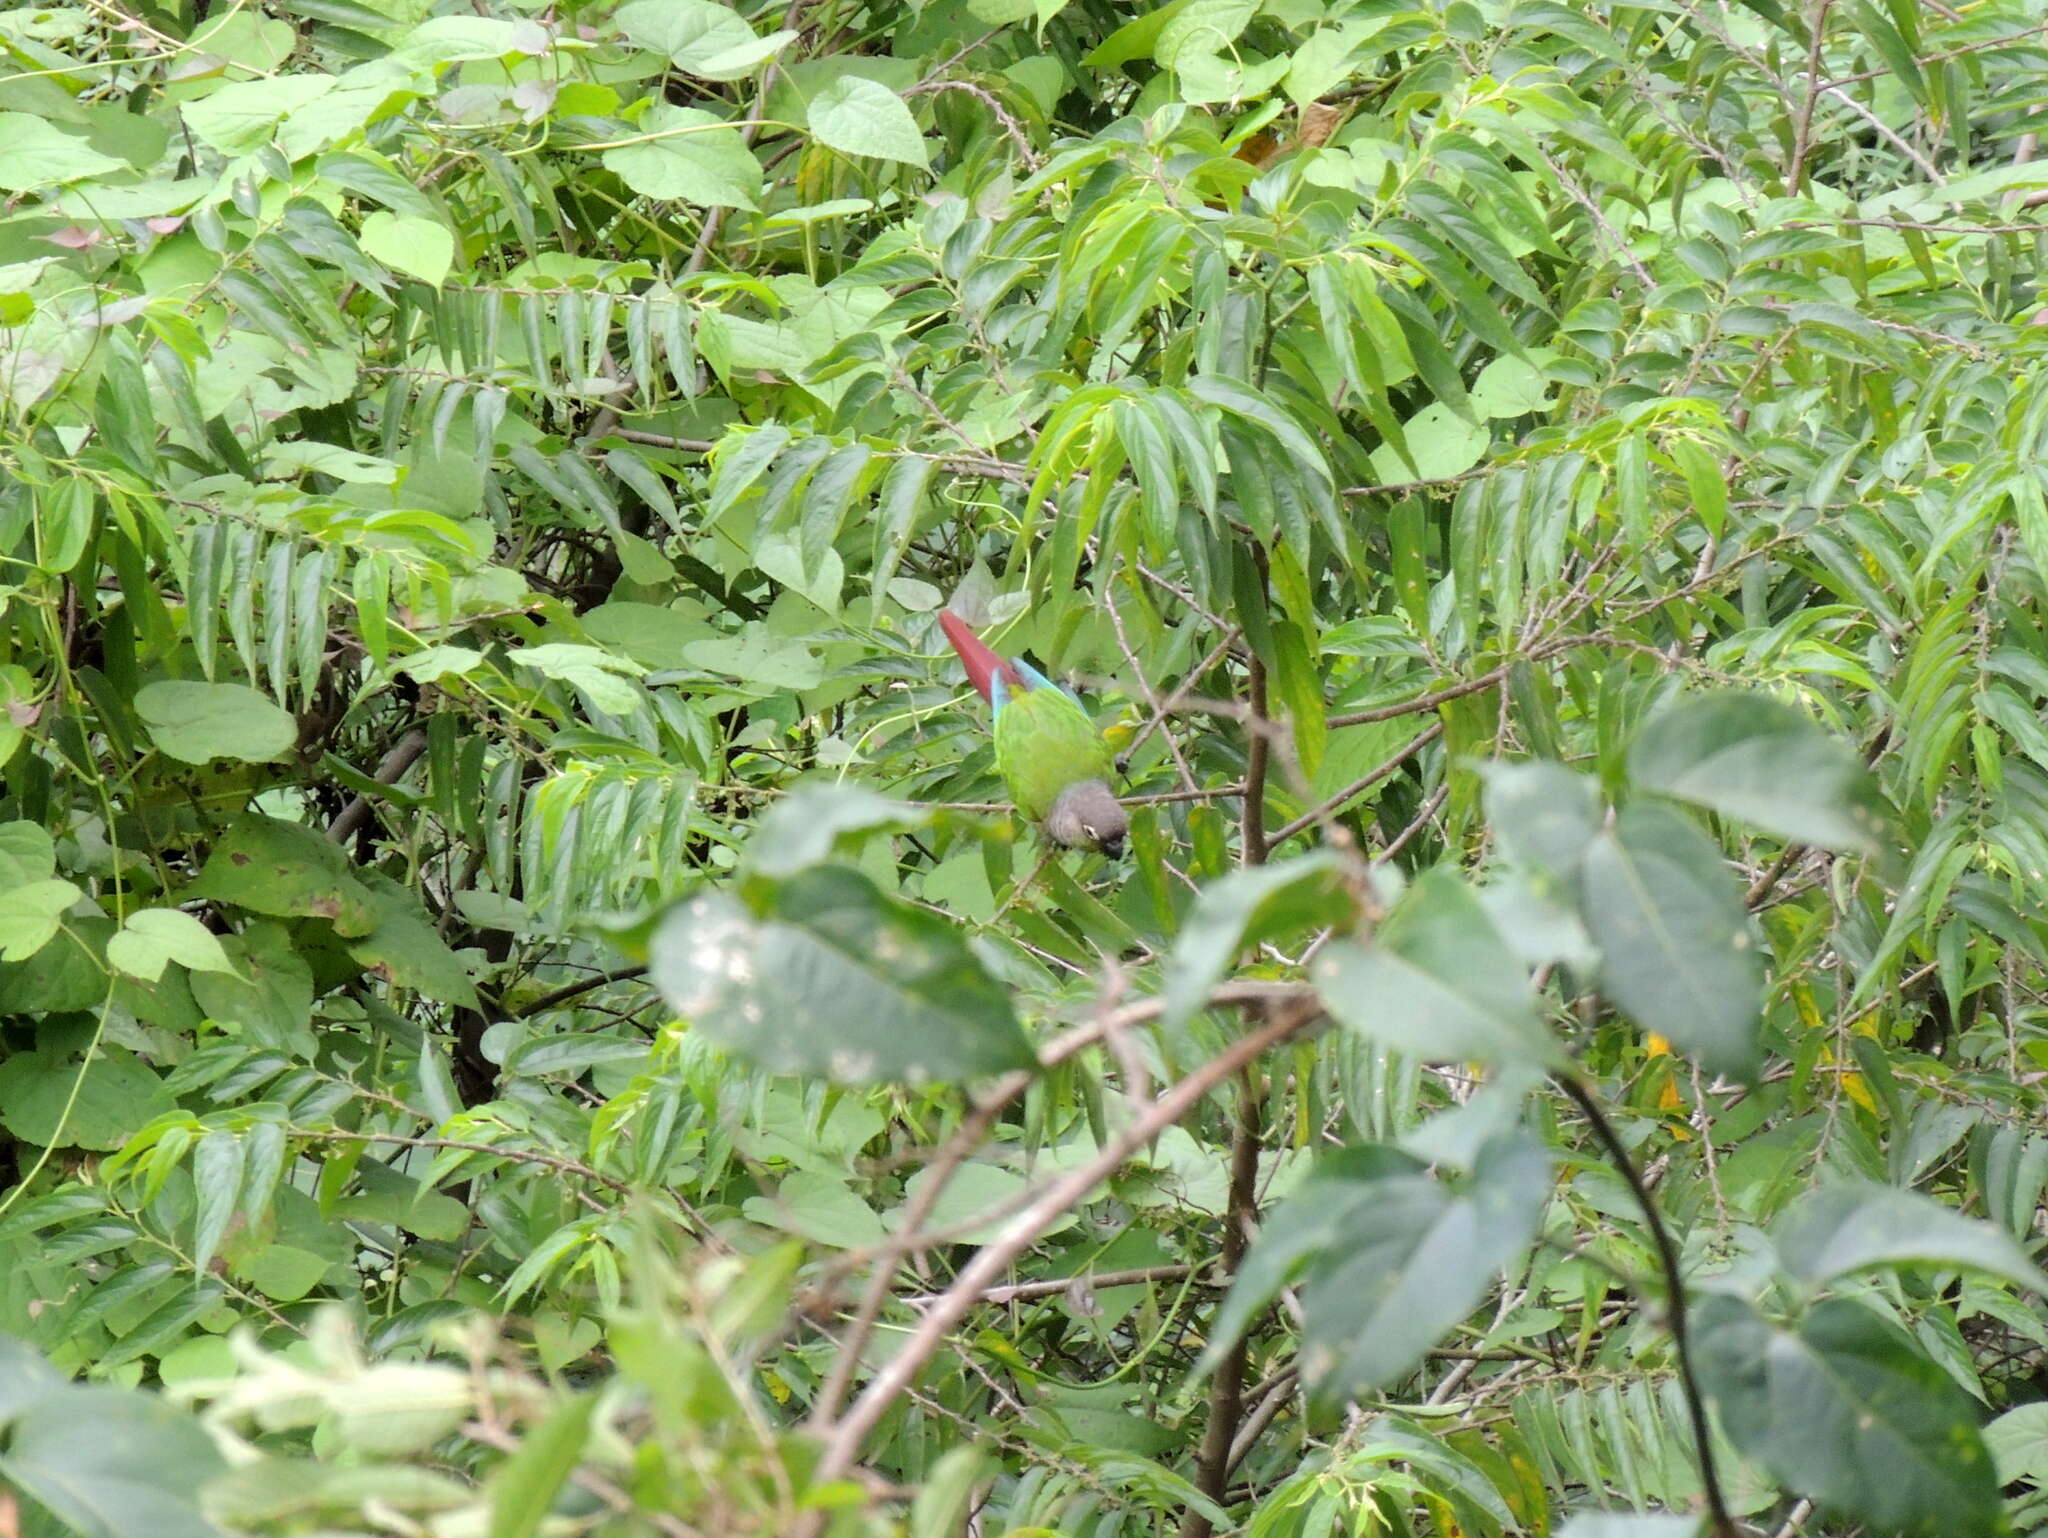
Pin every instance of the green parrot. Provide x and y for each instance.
(1055, 763)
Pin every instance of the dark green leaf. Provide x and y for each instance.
(1438, 982)
(286, 870)
(1846, 1229)
(1675, 946)
(1748, 757)
(1848, 1410)
(841, 983)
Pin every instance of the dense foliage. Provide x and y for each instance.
(524, 1009)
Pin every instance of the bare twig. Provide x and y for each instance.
(1358, 787)
(1020, 1232)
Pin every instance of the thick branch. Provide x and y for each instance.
(1226, 1411)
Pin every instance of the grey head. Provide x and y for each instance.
(1088, 816)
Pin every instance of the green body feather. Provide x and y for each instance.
(1044, 743)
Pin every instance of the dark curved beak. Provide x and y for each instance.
(1113, 847)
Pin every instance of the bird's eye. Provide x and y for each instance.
(1088, 828)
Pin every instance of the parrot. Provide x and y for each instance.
(1055, 763)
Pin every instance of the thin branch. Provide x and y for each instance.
(393, 765)
(1094, 1281)
(1674, 1286)
(1024, 1230)
(1253, 843)
(1422, 702)
(1802, 129)
(1336, 803)
(571, 991)
(1423, 818)
(973, 1129)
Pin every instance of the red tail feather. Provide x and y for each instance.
(982, 664)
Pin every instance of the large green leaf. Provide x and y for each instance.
(1437, 981)
(1846, 1229)
(839, 981)
(1393, 1257)
(112, 1463)
(198, 722)
(684, 155)
(285, 869)
(1543, 814)
(1243, 909)
(1761, 762)
(1847, 1409)
(865, 117)
(1675, 945)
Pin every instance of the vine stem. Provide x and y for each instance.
(1674, 1286)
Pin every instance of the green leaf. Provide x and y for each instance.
(1437, 982)
(1760, 762)
(1675, 948)
(285, 870)
(864, 117)
(1441, 443)
(709, 41)
(112, 1463)
(30, 914)
(1543, 814)
(1394, 1258)
(1299, 1232)
(217, 1173)
(688, 156)
(840, 983)
(1847, 1229)
(524, 1488)
(199, 722)
(2018, 1443)
(52, 1100)
(1846, 1409)
(151, 937)
(945, 1494)
(35, 153)
(602, 677)
(812, 822)
(818, 1207)
(406, 950)
(420, 248)
(1243, 909)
